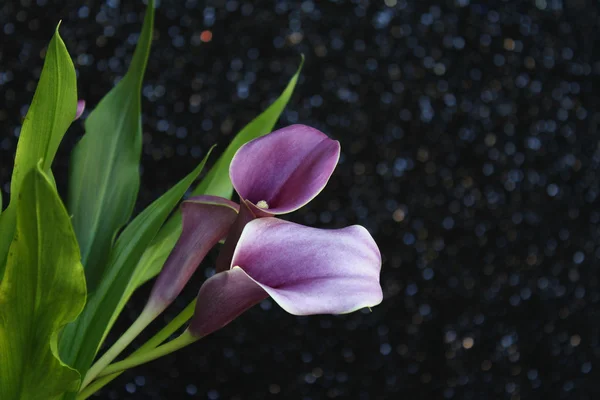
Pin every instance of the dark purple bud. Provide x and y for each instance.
(206, 220)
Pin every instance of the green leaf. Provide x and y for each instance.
(42, 290)
(216, 183)
(81, 339)
(105, 178)
(51, 112)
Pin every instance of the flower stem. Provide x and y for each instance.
(177, 322)
(186, 338)
(145, 318)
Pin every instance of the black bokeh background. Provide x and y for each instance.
(470, 151)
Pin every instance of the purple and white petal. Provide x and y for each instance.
(206, 220)
(222, 298)
(311, 271)
(282, 171)
(80, 109)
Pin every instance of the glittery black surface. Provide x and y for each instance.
(470, 151)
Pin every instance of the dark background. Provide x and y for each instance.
(470, 152)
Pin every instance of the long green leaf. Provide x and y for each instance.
(105, 178)
(216, 183)
(42, 290)
(81, 339)
(51, 112)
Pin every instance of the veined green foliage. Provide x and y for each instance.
(81, 339)
(216, 183)
(104, 178)
(51, 112)
(42, 290)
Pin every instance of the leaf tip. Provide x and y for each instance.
(302, 59)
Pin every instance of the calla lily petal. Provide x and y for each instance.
(222, 298)
(309, 270)
(206, 220)
(282, 171)
(80, 109)
(305, 270)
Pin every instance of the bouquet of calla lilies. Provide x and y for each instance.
(68, 268)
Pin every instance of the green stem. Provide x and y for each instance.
(146, 317)
(186, 338)
(177, 322)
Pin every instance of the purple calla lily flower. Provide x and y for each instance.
(282, 171)
(206, 220)
(277, 174)
(305, 270)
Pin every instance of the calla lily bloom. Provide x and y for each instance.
(206, 220)
(276, 174)
(305, 270)
(282, 171)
